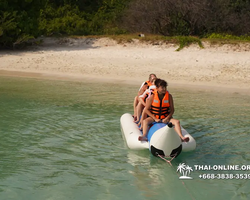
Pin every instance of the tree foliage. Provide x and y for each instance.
(193, 17)
(21, 20)
(62, 20)
(18, 20)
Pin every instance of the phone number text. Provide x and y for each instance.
(224, 176)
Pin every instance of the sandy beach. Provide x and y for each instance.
(224, 68)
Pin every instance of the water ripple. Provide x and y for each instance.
(68, 145)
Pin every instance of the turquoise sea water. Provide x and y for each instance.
(62, 140)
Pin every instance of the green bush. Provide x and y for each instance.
(8, 28)
(228, 37)
(64, 20)
(18, 22)
(185, 41)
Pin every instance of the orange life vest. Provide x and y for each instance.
(160, 108)
(149, 83)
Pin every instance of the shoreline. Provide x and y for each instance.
(81, 78)
(215, 68)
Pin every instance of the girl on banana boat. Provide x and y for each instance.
(160, 108)
(142, 103)
(145, 85)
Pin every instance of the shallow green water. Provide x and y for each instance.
(62, 140)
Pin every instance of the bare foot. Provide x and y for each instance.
(185, 139)
(142, 138)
